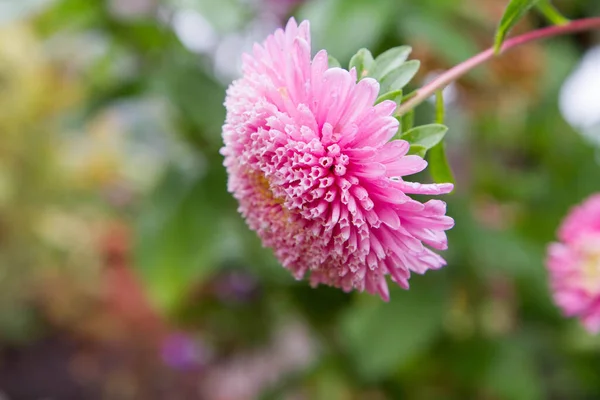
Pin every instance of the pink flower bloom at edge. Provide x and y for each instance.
(574, 264)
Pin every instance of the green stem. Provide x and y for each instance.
(439, 107)
(459, 70)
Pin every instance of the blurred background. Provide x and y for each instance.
(126, 272)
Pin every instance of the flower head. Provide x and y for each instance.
(311, 163)
(574, 264)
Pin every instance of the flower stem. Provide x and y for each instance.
(439, 107)
(459, 70)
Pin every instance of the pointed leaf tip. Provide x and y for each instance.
(513, 13)
(426, 135)
(389, 60)
(363, 62)
(332, 62)
(400, 77)
(439, 168)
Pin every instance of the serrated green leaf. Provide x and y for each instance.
(438, 164)
(418, 150)
(363, 62)
(389, 60)
(395, 95)
(515, 10)
(426, 135)
(399, 77)
(332, 62)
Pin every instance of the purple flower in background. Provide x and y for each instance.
(236, 286)
(180, 351)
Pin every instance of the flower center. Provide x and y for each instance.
(265, 203)
(263, 188)
(590, 267)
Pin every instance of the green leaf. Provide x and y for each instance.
(418, 150)
(407, 121)
(438, 164)
(515, 10)
(395, 95)
(440, 110)
(426, 136)
(181, 81)
(177, 244)
(382, 337)
(332, 62)
(389, 60)
(363, 62)
(551, 13)
(398, 78)
(513, 374)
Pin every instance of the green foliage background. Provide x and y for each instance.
(106, 117)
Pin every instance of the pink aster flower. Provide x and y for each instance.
(311, 163)
(574, 264)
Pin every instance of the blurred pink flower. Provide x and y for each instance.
(574, 264)
(311, 163)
